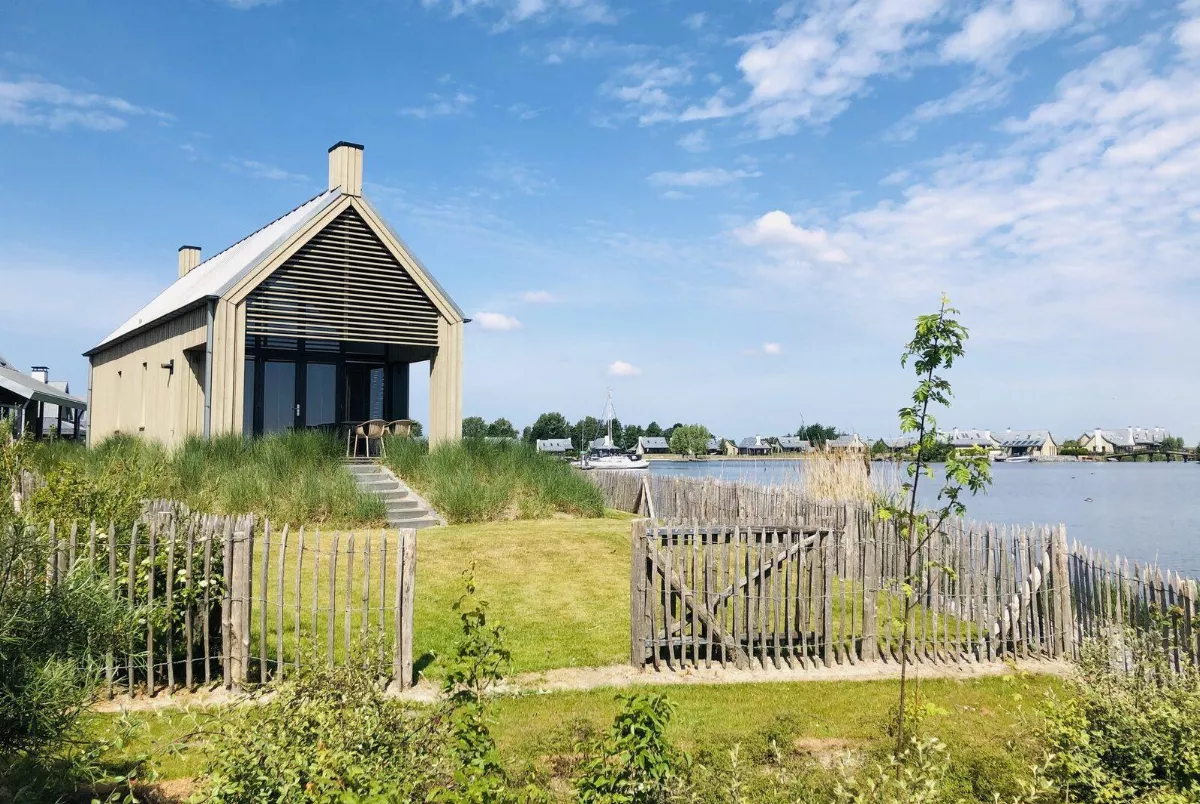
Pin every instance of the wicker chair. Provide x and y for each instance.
(368, 431)
(401, 427)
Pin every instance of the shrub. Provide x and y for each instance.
(52, 640)
(1127, 736)
(475, 480)
(633, 763)
(295, 478)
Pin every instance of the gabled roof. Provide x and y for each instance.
(211, 278)
(553, 444)
(217, 275)
(3, 362)
(1023, 438)
(793, 442)
(714, 443)
(35, 390)
(653, 442)
(972, 438)
(846, 441)
(753, 442)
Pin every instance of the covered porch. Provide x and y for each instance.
(41, 409)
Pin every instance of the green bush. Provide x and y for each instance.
(1127, 736)
(475, 480)
(633, 763)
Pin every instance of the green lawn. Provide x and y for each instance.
(985, 723)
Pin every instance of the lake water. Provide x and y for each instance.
(1144, 511)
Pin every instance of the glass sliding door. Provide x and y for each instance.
(320, 395)
(279, 411)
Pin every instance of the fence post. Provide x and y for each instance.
(870, 645)
(1062, 572)
(406, 576)
(241, 582)
(637, 593)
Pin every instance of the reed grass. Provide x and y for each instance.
(841, 477)
(475, 480)
(295, 477)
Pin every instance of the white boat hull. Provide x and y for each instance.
(614, 462)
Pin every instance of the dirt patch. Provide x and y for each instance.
(828, 751)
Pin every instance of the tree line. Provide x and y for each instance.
(691, 438)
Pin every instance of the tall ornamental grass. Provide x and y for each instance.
(842, 477)
(295, 477)
(475, 480)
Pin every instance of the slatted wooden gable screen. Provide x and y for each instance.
(343, 285)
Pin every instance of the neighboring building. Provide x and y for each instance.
(40, 405)
(848, 443)
(652, 445)
(1103, 441)
(973, 438)
(715, 446)
(754, 445)
(900, 444)
(1028, 443)
(793, 444)
(312, 321)
(555, 446)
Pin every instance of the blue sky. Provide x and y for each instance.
(727, 212)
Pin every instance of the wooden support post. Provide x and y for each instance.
(406, 578)
(637, 592)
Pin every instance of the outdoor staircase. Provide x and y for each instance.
(405, 508)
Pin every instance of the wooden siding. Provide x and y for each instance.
(344, 284)
(132, 393)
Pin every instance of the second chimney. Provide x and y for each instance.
(189, 258)
(345, 168)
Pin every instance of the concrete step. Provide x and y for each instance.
(395, 495)
(400, 514)
(403, 505)
(416, 524)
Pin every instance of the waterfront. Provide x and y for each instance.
(1144, 511)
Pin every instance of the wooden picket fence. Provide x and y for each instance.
(703, 499)
(231, 600)
(811, 594)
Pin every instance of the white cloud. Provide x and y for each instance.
(772, 348)
(991, 34)
(619, 368)
(538, 297)
(777, 232)
(261, 170)
(695, 142)
(984, 91)
(510, 12)
(524, 179)
(41, 104)
(442, 105)
(497, 321)
(644, 89)
(703, 177)
(695, 21)
(1086, 212)
(523, 111)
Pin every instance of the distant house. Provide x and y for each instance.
(847, 443)
(966, 439)
(652, 445)
(793, 444)
(899, 444)
(554, 446)
(1028, 443)
(1103, 441)
(40, 405)
(716, 446)
(754, 445)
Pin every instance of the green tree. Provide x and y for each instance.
(618, 432)
(586, 430)
(502, 428)
(669, 430)
(1172, 443)
(527, 434)
(880, 448)
(630, 434)
(474, 427)
(817, 434)
(689, 439)
(937, 342)
(653, 430)
(1071, 447)
(549, 425)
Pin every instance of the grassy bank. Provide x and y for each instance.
(294, 477)
(479, 481)
(792, 729)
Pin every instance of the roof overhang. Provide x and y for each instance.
(33, 390)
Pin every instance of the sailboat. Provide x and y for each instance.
(606, 454)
